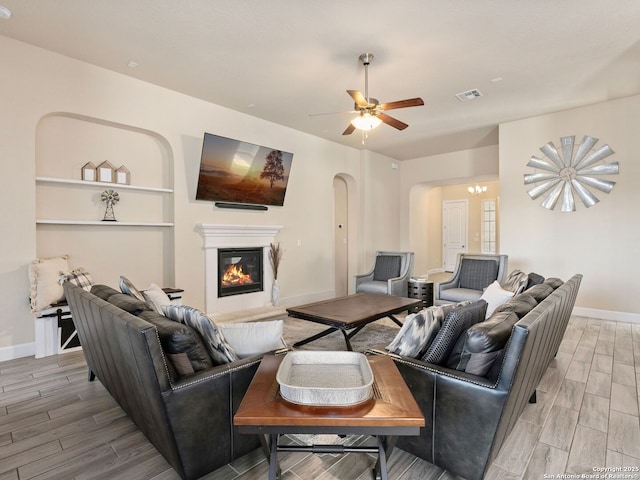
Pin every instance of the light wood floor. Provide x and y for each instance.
(54, 424)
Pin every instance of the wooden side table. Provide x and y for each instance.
(422, 289)
(391, 412)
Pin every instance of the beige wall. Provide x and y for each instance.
(425, 183)
(602, 242)
(38, 83)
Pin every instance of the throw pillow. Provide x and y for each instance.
(387, 266)
(128, 303)
(454, 358)
(419, 330)
(181, 363)
(484, 341)
(103, 291)
(520, 305)
(79, 277)
(219, 349)
(253, 338)
(156, 298)
(534, 279)
(177, 338)
(553, 282)
(540, 291)
(130, 289)
(456, 322)
(476, 274)
(516, 282)
(495, 296)
(43, 279)
(480, 363)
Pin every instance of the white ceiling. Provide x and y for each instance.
(282, 60)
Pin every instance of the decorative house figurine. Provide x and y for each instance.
(123, 176)
(106, 172)
(89, 172)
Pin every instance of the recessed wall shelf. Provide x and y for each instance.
(68, 181)
(43, 221)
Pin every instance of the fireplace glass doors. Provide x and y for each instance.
(239, 271)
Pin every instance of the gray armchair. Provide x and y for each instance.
(473, 273)
(390, 274)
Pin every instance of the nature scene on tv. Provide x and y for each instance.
(240, 172)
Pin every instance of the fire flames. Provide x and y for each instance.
(234, 275)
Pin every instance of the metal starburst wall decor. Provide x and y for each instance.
(565, 173)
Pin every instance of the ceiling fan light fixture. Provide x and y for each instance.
(366, 122)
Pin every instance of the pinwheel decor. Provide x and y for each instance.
(110, 198)
(566, 173)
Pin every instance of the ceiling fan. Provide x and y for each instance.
(371, 112)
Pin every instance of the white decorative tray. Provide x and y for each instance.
(325, 378)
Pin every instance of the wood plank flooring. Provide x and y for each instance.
(54, 424)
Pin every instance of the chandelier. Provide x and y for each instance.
(477, 190)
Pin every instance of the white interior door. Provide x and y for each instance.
(454, 232)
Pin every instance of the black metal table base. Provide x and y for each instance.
(385, 445)
(347, 336)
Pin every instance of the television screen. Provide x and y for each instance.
(241, 172)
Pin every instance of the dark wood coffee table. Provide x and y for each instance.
(352, 312)
(391, 412)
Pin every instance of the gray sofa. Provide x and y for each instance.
(469, 416)
(189, 419)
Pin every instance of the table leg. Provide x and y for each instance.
(380, 469)
(274, 467)
(396, 321)
(324, 333)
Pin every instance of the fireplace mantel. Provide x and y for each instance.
(217, 236)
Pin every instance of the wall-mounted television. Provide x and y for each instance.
(242, 173)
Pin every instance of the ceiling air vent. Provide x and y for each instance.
(468, 95)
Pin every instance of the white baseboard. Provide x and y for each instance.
(307, 298)
(607, 314)
(17, 351)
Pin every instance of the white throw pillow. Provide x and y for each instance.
(156, 298)
(253, 338)
(495, 296)
(43, 277)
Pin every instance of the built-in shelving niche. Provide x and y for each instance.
(69, 212)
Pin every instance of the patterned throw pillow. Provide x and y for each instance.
(219, 349)
(419, 330)
(456, 322)
(130, 289)
(516, 282)
(79, 277)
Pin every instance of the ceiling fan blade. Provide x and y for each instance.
(358, 98)
(349, 130)
(409, 102)
(395, 123)
(333, 113)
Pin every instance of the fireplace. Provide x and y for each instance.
(239, 271)
(236, 237)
